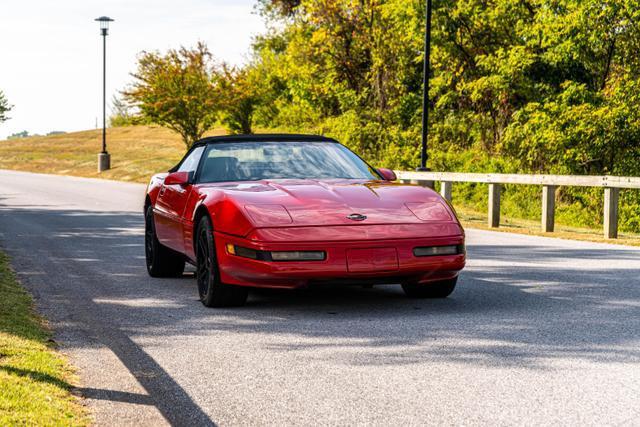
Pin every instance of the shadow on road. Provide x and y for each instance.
(547, 302)
(70, 259)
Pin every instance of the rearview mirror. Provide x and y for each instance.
(178, 178)
(387, 174)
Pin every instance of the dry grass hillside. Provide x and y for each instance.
(137, 152)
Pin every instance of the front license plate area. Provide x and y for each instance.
(372, 260)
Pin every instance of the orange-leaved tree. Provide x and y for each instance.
(177, 90)
(240, 95)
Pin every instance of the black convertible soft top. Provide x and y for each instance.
(264, 137)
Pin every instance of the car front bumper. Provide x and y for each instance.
(348, 261)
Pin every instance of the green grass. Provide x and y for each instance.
(473, 218)
(35, 380)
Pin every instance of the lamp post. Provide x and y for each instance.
(104, 158)
(426, 72)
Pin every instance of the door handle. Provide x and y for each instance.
(162, 190)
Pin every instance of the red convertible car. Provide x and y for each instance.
(288, 211)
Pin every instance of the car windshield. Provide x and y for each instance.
(252, 161)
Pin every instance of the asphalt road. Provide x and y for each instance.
(539, 331)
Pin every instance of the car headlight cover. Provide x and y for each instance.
(268, 215)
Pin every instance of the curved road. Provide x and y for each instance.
(540, 331)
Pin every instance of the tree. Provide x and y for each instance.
(516, 86)
(239, 95)
(18, 135)
(121, 113)
(4, 108)
(176, 90)
(278, 8)
(508, 77)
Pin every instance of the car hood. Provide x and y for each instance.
(334, 202)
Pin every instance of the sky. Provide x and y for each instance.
(51, 51)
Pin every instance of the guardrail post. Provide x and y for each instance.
(494, 205)
(611, 196)
(548, 208)
(445, 189)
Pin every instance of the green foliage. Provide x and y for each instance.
(176, 90)
(278, 8)
(239, 95)
(521, 86)
(4, 108)
(18, 135)
(187, 92)
(124, 114)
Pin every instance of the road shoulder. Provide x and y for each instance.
(37, 381)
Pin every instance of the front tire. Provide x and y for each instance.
(161, 261)
(440, 289)
(213, 293)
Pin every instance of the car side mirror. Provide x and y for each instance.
(387, 174)
(178, 178)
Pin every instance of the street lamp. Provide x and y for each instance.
(426, 72)
(104, 158)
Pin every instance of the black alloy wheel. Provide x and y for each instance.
(213, 293)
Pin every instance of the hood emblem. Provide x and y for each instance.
(357, 217)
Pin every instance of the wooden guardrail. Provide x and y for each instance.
(549, 183)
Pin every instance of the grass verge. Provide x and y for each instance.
(35, 381)
(474, 219)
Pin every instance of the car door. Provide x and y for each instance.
(171, 204)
